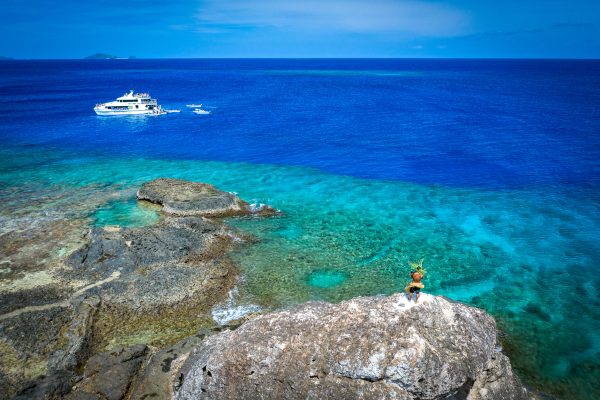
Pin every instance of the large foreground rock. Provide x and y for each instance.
(365, 348)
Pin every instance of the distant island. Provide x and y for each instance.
(102, 56)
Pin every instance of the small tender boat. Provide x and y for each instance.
(194, 105)
(200, 111)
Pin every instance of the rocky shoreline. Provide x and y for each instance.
(145, 295)
(154, 284)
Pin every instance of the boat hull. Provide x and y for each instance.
(124, 112)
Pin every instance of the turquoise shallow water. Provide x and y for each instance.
(126, 213)
(527, 256)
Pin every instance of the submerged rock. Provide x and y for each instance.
(365, 348)
(185, 198)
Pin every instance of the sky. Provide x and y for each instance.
(300, 28)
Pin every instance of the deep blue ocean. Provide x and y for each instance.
(487, 169)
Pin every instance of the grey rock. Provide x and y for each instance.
(35, 333)
(82, 396)
(378, 347)
(161, 375)
(6, 386)
(126, 249)
(78, 338)
(156, 380)
(184, 198)
(109, 375)
(33, 242)
(62, 363)
(51, 387)
(26, 341)
(36, 296)
(498, 382)
(167, 264)
(106, 376)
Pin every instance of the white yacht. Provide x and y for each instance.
(131, 104)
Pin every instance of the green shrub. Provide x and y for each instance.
(417, 267)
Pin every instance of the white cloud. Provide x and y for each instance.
(355, 16)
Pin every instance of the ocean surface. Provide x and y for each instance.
(487, 169)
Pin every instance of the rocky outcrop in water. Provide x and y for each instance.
(184, 198)
(177, 261)
(365, 348)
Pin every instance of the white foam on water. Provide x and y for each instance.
(228, 311)
(257, 207)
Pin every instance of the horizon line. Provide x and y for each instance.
(133, 58)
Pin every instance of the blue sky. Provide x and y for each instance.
(301, 28)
